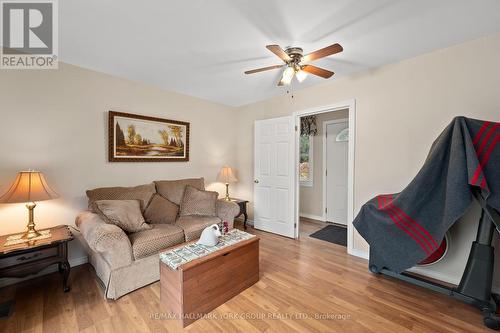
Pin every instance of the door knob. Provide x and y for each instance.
(256, 181)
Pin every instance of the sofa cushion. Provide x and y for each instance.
(161, 210)
(159, 237)
(196, 202)
(173, 190)
(143, 193)
(194, 225)
(125, 214)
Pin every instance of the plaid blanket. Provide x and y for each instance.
(405, 228)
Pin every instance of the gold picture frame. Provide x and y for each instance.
(137, 138)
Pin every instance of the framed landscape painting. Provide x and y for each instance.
(136, 138)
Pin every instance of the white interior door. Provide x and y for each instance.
(336, 173)
(274, 194)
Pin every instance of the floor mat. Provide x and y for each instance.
(333, 234)
(6, 309)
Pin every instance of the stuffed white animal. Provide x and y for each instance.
(210, 236)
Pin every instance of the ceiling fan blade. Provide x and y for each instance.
(324, 52)
(276, 49)
(317, 71)
(263, 69)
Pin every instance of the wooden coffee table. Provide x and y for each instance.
(199, 286)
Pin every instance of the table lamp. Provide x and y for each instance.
(29, 186)
(226, 176)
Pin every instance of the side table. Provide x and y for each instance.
(243, 210)
(31, 257)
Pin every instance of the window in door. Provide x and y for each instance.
(306, 160)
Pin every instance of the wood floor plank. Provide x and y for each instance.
(306, 285)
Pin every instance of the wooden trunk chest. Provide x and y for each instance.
(199, 286)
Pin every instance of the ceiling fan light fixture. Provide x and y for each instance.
(297, 64)
(300, 75)
(287, 77)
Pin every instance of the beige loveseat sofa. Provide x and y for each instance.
(125, 262)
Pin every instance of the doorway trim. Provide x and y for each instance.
(325, 124)
(351, 106)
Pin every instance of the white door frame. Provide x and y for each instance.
(351, 106)
(325, 124)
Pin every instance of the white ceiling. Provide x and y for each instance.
(202, 47)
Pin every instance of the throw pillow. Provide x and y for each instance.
(197, 202)
(161, 210)
(125, 214)
(143, 193)
(173, 190)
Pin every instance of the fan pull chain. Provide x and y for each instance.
(290, 90)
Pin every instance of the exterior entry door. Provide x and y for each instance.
(336, 171)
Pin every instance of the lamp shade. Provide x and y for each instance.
(29, 186)
(226, 175)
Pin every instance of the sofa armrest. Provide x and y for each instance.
(106, 239)
(227, 211)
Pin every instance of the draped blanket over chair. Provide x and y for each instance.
(404, 228)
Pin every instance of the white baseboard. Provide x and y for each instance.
(78, 261)
(312, 216)
(240, 220)
(51, 269)
(440, 276)
(358, 253)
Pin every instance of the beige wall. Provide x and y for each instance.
(400, 109)
(56, 121)
(311, 198)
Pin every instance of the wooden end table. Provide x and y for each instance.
(28, 258)
(243, 210)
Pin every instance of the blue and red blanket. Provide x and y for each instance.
(405, 228)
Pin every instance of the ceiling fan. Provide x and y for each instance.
(297, 64)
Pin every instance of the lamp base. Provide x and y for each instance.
(31, 231)
(227, 198)
(30, 234)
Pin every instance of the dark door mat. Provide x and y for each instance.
(6, 309)
(333, 234)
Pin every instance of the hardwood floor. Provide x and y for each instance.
(300, 280)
